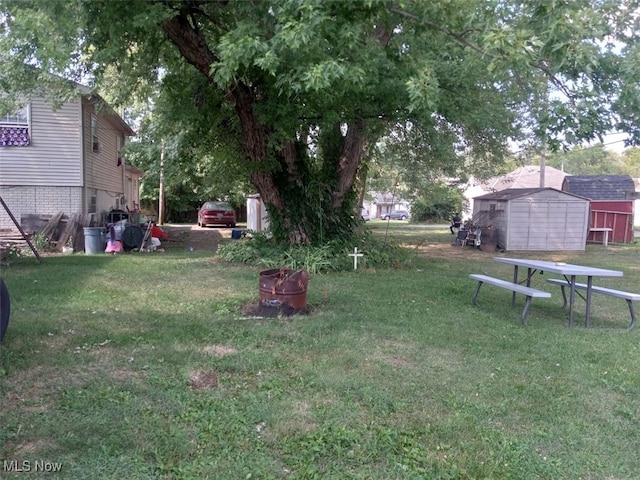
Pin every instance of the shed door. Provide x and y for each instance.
(526, 225)
(538, 226)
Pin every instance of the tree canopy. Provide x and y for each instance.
(295, 92)
(597, 160)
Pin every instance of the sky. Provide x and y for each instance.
(615, 142)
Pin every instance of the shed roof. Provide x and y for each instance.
(600, 187)
(526, 177)
(512, 193)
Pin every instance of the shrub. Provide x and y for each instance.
(332, 256)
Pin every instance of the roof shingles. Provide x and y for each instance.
(600, 187)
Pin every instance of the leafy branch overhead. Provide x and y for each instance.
(292, 94)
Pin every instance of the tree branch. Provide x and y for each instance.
(191, 44)
(460, 38)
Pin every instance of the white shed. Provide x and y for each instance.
(543, 219)
(257, 216)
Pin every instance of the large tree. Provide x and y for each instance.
(301, 87)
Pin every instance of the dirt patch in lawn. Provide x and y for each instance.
(447, 250)
(200, 379)
(219, 350)
(258, 310)
(194, 237)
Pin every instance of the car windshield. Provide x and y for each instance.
(217, 206)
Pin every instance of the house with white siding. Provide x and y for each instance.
(66, 159)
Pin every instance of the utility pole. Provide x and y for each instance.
(543, 151)
(543, 160)
(161, 193)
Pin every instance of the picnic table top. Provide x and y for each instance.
(560, 268)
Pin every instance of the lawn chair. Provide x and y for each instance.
(476, 240)
(461, 238)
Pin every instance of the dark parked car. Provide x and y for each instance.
(396, 215)
(216, 213)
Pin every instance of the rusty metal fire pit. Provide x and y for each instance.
(284, 288)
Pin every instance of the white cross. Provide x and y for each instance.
(355, 256)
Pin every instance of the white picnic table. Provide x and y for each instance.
(567, 270)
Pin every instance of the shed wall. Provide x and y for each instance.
(616, 215)
(547, 225)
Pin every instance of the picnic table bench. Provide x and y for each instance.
(605, 233)
(528, 292)
(629, 297)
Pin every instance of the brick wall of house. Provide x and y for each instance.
(23, 200)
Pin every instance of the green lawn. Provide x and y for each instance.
(143, 366)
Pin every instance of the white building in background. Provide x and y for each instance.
(383, 203)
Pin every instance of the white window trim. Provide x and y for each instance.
(95, 136)
(6, 121)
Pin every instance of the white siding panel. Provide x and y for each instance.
(518, 228)
(103, 172)
(54, 157)
(539, 228)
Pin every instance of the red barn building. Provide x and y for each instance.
(611, 204)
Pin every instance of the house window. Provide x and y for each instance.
(95, 141)
(14, 129)
(118, 152)
(93, 202)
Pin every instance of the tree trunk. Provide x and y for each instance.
(255, 146)
(271, 182)
(362, 186)
(347, 166)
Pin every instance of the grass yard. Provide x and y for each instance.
(143, 366)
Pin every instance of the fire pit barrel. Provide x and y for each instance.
(284, 287)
